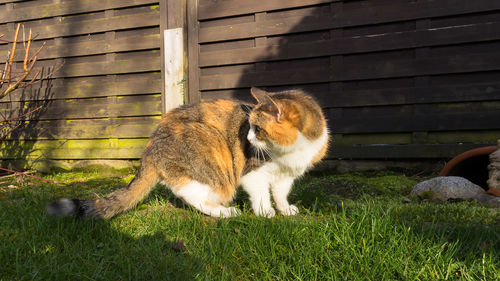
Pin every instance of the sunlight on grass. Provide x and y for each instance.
(351, 227)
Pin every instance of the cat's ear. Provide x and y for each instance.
(260, 95)
(269, 105)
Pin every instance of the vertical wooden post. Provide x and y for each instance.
(173, 30)
(174, 68)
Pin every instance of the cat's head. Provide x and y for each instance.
(277, 121)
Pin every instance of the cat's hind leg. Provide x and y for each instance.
(204, 199)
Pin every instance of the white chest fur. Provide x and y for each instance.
(294, 160)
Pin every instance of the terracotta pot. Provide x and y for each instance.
(493, 191)
(472, 165)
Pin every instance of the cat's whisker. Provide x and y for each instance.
(263, 154)
(259, 150)
(268, 152)
(255, 152)
(260, 153)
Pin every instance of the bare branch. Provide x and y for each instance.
(10, 79)
(18, 81)
(13, 52)
(26, 52)
(4, 74)
(37, 52)
(14, 86)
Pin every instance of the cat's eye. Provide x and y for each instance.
(256, 129)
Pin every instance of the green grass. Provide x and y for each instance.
(351, 227)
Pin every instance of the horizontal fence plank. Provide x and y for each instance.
(358, 17)
(390, 96)
(92, 26)
(374, 138)
(409, 151)
(103, 67)
(73, 149)
(475, 136)
(127, 44)
(418, 67)
(411, 118)
(235, 7)
(360, 44)
(87, 108)
(358, 71)
(37, 11)
(109, 67)
(417, 95)
(439, 137)
(10, 1)
(86, 89)
(138, 127)
(266, 78)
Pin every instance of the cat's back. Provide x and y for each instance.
(220, 115)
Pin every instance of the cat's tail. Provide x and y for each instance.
(111, 205)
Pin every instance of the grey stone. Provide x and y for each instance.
(488, 200)
(100, 165)
(47, 166)
(494, 170)
(445, 188)
(406, 200)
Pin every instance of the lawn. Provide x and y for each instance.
(351, 227)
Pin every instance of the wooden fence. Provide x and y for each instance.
(105, 99)
(396, 78)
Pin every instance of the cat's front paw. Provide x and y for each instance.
(268, 213)
(291, 210)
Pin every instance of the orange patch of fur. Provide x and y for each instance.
(283, 133)
(143, 184)
(226, 194)
(177, 128)
(212, 111)
(177, 182)
(211, 204)
(224, 160)
(321, 153)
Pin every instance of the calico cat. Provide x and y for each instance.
(203, 152)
